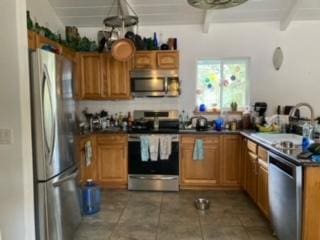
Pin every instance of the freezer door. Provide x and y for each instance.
(52, 114)
(58, 208)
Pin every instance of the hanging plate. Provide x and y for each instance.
(277, 58)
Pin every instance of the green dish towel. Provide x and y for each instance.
(144, 148)
(198, 153)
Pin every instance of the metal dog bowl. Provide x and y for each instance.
(202, 203)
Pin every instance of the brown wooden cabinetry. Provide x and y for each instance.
(91, 75)
(111, 156)
(262, 195)
(251, 175)
(156, 60)
(230, 160)
(145, 60)
(41, 41)
(31, 40)
(200, 172)
(118, 79)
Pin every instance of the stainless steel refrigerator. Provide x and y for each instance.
(57, 204)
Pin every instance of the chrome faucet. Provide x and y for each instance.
(294, 109)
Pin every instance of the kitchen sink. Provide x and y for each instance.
(277, 138)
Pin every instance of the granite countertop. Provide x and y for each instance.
(290, 155)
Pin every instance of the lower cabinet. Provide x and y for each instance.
(203, 172)
(262, 195)
(108, 165)
(112, 160)
(252, 175)
(220, 166)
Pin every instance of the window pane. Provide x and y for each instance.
(208, 83)
(234, 83)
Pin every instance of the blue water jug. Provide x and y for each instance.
(91, 198)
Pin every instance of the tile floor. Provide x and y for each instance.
(172, 216)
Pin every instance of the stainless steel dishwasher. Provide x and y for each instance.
(285, 197)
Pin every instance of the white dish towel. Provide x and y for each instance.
(165, 147)
(154, 147)
(88, 153)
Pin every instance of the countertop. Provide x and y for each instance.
(290, 155)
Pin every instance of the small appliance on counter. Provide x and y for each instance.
(260, 109)
(200, 123)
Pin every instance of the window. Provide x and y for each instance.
(221, 82)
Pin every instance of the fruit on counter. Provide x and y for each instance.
(315, 148)
(264, 129)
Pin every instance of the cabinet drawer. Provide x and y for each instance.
(111, 139)
(206, 139)
(252, 146)
(168, 60)
(263, 154)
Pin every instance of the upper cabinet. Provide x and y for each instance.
(91, 74)
(102, 77)
(156, 60)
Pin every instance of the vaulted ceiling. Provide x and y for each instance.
(90, 13)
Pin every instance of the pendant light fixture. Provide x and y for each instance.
(215, 4)
(121, 20)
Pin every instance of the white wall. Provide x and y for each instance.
(16, 184)
(42, 12)
(297, 80)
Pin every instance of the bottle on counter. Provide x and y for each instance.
(129, 120)
(306, 136)
(116, 120)
(111, 121)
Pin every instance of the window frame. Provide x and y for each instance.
(222, 60)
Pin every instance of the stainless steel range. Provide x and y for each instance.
(147, 172)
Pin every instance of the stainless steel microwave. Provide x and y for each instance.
(155, 83)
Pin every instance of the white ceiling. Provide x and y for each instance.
(90, 13)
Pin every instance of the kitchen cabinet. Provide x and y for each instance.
(243, 163)
(41, 41)
(230, 160)
(32, 40)
(87, 169)
(118, 79)
(156, 60)
(112, 166)
(145, 60)
(91, 75)
(200, 172)
(102, 77)
(262, 194)
(252, 175)
(168, 59)
(69, 54)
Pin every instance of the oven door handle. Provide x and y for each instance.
(154, 178)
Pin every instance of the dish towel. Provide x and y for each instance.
(144, 148)
(154, 147)
(88, 153)
(165, 147)
(198, 153)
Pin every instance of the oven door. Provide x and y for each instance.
(160, 167)
(148, 86)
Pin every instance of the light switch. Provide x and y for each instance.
(5, 137)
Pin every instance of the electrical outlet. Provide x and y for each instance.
(5, 137)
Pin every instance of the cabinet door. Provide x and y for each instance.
(112, 163)
(91, 75)
(87, 169)
(262, 195)
(243, 163)
(145, 60)
(230, 160)
(118, 79)
(251, 180)
(168, 60)
(31, 40)
(200, 172)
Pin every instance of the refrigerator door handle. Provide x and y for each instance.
(48, 115)
(65, 179)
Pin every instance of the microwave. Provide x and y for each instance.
(155, 83)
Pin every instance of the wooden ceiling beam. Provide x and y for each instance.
(289, 14)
